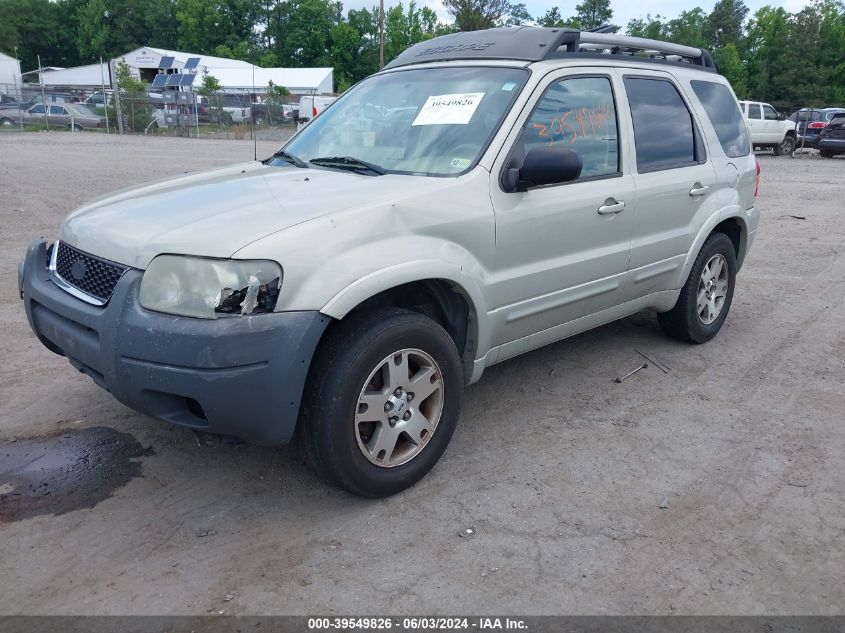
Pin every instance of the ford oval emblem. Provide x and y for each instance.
(78, 270)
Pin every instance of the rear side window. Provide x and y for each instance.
(578, 114)
(664, 132)
(754, 111)
(724, 115)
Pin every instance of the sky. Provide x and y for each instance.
(623, 10)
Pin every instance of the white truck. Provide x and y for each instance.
(769, 128)
(311, 106)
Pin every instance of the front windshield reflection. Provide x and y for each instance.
(434, 121)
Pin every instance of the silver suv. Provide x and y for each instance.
(488, 193)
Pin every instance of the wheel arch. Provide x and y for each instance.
(451, 299)
(733, 225)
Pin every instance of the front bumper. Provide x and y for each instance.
(241, 376)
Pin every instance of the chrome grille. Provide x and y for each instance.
(91, 275)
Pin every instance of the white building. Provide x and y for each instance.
(10, 75)
(233, 74)
(147, 62)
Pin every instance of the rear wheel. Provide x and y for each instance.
(383, 400)
(706, 297)
(826, 153)
(5, 122)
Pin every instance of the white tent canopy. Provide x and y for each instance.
(90, 76)
(296, 80)
(10, 74)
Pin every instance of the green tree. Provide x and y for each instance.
(518, 15)
(592, 13)
(688, 28)
(112, 27)
(474, 15)
(134, 102)
(654, 28)
(724, 25)
(729, 64)
(552, 17)
(300, 31)
(767, 41)
(39, 27)
(208, 25)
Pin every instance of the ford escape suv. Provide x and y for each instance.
(488, 193)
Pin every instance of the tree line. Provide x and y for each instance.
(770, 55)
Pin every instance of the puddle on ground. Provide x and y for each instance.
(65, 471)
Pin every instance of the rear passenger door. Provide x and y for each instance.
(754, 118)
(676, 183)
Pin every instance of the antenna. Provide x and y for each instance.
(252, 113)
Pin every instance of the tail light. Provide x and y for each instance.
(816, 125)
(757, 179)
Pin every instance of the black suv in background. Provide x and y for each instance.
(832, 137)
(811, 122)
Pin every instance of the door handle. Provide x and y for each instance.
(698, 190)
(611, 206)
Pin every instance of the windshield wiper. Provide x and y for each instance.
(347, 162)
(295, 160)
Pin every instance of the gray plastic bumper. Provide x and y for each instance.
(241, 376)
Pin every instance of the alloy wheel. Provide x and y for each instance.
(399, 408)
(712, 289)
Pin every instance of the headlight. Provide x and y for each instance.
(208, 288)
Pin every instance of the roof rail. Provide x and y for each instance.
(534, 43)
(621, 44)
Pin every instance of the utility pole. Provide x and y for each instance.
(43, 98)
(19, 90)
(115, 86)
(380, 34)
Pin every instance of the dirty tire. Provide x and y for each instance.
(351, 349)
(824, 153)
(785, 147)
(682, 322)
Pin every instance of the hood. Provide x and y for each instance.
(216, 213)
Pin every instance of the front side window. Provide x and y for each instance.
(725, 116)
(664, 132)
(578, 114)
(769, 113)
(426, 121)
(753, 110)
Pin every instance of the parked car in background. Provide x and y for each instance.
(97, 99)
(271, 113)
(769, 128)
(73, 116)
(237, 106)
(311, 106)
(832, 137)
(811, 122)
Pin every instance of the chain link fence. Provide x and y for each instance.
(168, 113)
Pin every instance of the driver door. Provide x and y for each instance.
(562, 250)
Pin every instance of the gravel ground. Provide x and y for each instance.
(561, 472)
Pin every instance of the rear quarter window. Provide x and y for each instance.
(723, 112)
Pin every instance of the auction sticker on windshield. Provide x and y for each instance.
(454, 109)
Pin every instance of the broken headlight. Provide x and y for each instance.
(209, 288)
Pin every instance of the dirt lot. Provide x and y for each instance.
(560, 471)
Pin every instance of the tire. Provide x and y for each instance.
(6, 122)
(353, 363)
(826, 153)
(685, 321)
(786, 146)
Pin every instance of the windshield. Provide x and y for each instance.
(432, 121)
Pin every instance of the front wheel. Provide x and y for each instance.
(786, 146)
(706, 297)
(383, 400)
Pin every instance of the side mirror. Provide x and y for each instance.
(544, 166)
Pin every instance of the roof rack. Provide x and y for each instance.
(534, 43)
